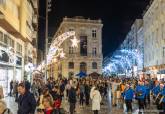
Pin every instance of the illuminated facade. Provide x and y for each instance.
(18, 38)
(88, 56)
(134, 43)
(154, 36)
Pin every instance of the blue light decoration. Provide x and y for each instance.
(121, 61)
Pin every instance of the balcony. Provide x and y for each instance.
(89, 55)
(34, 34)
(9, 22)
(35, 5)
(35, 21)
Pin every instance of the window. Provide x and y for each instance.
(10, 42)
(19, 48)
(94, 65)
(5, 39)
(94, 52)
(94, 33)
(83, 45)
(71, 65)
(71, 50)
(83, 67)
(71, 29)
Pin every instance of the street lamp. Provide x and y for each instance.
(48, 9)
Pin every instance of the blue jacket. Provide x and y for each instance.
(163, 93)
(147, 89)
(156, 90)
(128, 94)
(26, 104)
(142, 90)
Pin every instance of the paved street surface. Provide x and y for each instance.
(105, 109)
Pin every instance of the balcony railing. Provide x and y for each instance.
(34, 34)
(35, 20)
(89, 55)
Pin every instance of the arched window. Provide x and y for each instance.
(83, 67)
(94, 65)
(71, 65)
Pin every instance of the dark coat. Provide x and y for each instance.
(26, 104)
(72, 95)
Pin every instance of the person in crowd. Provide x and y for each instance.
(72, 99)
(40, 111)
(82, 90)
(15, 90)
(87, 93)
(1, 92)
(155, 90)
(56, 98)
(147, 96)
(162, 100)
(48, 105)
(40, 99)
(118, 97)
(96, 99)
(26, 100)
(140, 92)
(11, 87)
(128, 95)
(114, 88)
(34, 89)
(3, 108)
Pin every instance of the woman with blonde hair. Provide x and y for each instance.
(3, 108)
(40, 99)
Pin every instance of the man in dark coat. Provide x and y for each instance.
(72, 99)
(26, 100)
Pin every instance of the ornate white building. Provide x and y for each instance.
(88, 56)
(154, 36)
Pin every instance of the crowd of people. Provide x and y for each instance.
(61, 96)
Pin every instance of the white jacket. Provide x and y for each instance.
(96, 99)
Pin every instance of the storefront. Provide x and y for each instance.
(10, 69)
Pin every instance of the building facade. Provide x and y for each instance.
(154, 36)
(18, 38)
(88, 56)
(133, 46)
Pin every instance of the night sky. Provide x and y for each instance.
(117, 17)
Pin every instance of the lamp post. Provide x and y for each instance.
(48, 6)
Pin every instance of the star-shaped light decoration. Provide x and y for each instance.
(62, 54)
(74, 42)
